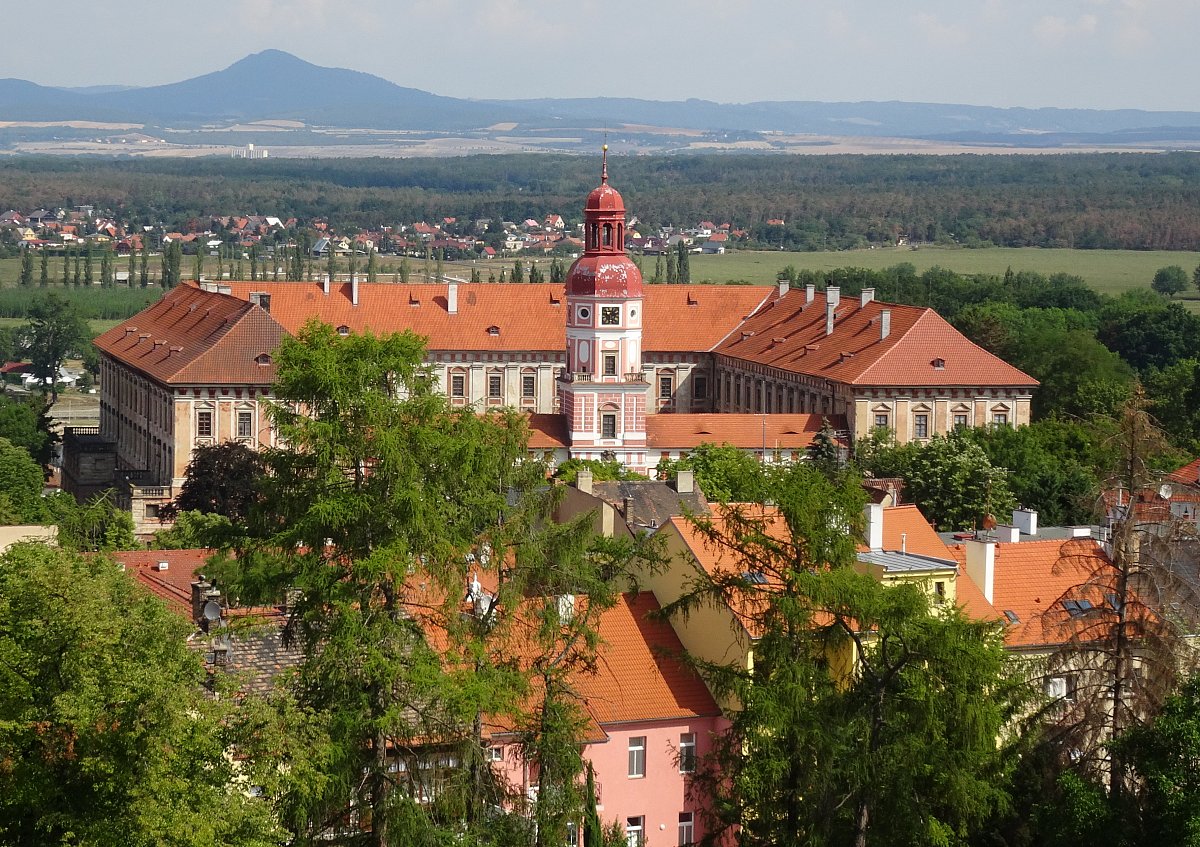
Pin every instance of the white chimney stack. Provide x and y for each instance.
(981, 566)
(833, 295)
(354, 289)
(810, 293)
(885, 324)
(784, 287)
(829, 309)
(583, 481)
(868, 294)
(325, 284)
(452, 298)
(874, 531)
(685, 482)
(1007, 533)
(1025, 520)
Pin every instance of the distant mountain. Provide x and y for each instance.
(889, 118)
(267, 85)
(276, 85)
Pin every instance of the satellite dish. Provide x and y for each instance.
(212, 611)
(1164, 491)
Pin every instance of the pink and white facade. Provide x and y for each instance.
(603, 391)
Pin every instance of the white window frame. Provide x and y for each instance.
(458, 385)
(635, 830)
(687, 752)
(246, 416)
(687, 829)
(496, 380)
(208, 417)
(921, 425)
(636, 762)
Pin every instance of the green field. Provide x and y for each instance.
(1108, 271)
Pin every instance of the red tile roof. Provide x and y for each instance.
(919, 536)
(192, 336)
(173, 584)
(639, 676)
(1189, 474)
(529, 316)
(921, 347)
(747, 431)
(1031, 580)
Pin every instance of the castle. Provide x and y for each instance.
(605, 367)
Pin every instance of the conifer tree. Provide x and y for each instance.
(66, 269)
(658, 268)
(438, 268)
(372, 266)
(26, 277)
(198, 264)
(144, 270)
(386, 505)
(672, 267)
(88, 277)
(518, 271)
(106, 269)
(405, 269)
(44, 277)
(866, 717)
(254, 263)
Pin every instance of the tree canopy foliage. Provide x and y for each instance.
(106, 736)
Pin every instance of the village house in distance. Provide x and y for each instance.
(603, 366)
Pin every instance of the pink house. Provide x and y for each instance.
(652, 718)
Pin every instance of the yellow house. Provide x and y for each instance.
(899, 546)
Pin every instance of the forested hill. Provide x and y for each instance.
(1109, 201)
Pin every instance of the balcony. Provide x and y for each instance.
(637, 376)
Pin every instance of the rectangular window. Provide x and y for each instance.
(245, 424)
(1000, 418)
(495, 753)
(572, 834)
(700, 387)
(494, 386)
(960, 420)
(666, 386)
(635, 831)
(608, 426)
(881, 421)
(921, 426)
(610, 364)
(204, 427)
(528, 386)
(637, 756)
(458, 385)
(687, 752)
(1061, 688)
(687, 829)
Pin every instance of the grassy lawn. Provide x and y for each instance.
(97, 325)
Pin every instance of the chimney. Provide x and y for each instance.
(833, 295)
(829, 309)
(885, 324)
(981, 566)
(354, 289)
(199, 591)
(874, 530)
(1081, 532)
(685, 482)
(162, 565)
(1007, 533)
(628, 509)
(784, 287)
(1025, 520)
(325, 284)
(810, 292)
(583, 481)
(867, 295)
(452, 298)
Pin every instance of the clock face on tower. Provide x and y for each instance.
(610, 315)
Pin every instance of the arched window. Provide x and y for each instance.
(608, 235)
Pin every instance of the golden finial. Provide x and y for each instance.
(604, 164)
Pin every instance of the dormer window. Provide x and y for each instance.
(343, 330)
(493, 330)
(938, 364)
(263, 359)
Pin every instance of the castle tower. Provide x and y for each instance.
(603, 392)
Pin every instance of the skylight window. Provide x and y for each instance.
(755, 577)
(1011, 616)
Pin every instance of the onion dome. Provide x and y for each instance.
(604, 270)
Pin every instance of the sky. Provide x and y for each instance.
(1097, 54)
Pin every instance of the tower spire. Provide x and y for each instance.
(604, 165)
